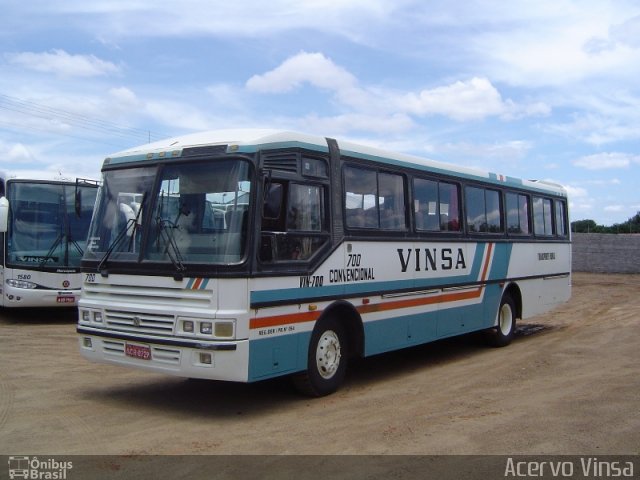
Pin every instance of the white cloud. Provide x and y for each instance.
(604, 161)
(339, 124)
(16, 153)
(576, 192)
(615, 208)
(124, 96)
(510, 150)
(559, 43)
(473, 99)
(312, 68)
(62, 63)
(469, 100)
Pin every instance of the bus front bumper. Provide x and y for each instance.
(214, 360)
(24, 297)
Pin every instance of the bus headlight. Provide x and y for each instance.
(187, 326)
(88, 316)
(21, 284)
(206, 328)
(224, 329)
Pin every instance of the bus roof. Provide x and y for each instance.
(252, 140)
(37, 176)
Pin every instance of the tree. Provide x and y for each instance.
(584, 226)
(589, 226)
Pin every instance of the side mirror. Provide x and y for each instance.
(4, 214)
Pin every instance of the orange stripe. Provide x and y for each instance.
(379, 307)
(418, 302)
(486, 263)
(196, 284)
(284, 319)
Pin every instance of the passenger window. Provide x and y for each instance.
(561, 225)
(517, 206)
(542, 224)
(374, 200)
(483, 210)
(391, 201)
(436, 206)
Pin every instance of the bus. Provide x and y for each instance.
(254, 254)
(44, 223)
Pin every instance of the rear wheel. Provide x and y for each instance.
(502, 334)
(326, 360)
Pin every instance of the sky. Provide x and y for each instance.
(538, 90)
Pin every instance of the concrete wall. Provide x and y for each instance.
(606, 253)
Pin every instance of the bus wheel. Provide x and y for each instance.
(502, 334)
(326, 360)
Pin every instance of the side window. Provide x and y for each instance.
(391, 202)
(561, 224)
(374, 200)
(517, 207)
(483, 210)
(304, 208)
(542, 223)
(293, 222)
(436, 205)
(361, 208)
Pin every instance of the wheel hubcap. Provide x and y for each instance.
(506, 319)
(328, 354)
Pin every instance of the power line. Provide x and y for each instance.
(84, 122)
(17, 128)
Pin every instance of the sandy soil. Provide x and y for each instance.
(572, 387)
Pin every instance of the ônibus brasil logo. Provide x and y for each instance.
(38, 469)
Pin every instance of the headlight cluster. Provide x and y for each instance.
(21, 284)
(91, 316)
(199, 327)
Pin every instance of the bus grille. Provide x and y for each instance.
(127, 321)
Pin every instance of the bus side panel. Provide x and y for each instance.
(400, 332)
(278, 355)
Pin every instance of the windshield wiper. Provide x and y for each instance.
(61, 236)
(166, 228)
(131, 223)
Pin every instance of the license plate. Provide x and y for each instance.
(65, 299)
(142, 352)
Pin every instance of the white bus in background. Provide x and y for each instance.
(327, 250)
(43, 230)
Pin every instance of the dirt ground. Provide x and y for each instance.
(572, 387)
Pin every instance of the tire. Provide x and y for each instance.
(502, 334)
(326, 360)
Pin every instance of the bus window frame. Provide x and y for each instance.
(501, 209)
(293, 264)
(514, 235)
(438, 181)
(406, 196)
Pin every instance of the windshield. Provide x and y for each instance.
(193, 213)
(44, 228)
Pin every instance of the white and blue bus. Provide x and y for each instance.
(246, 255)
(43, 230)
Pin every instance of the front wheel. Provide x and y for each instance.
(502, 334)
(326, 360)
